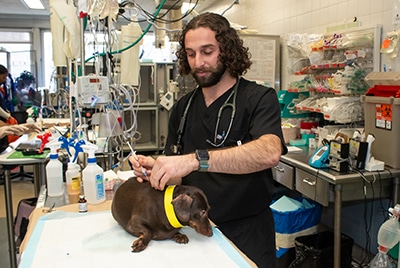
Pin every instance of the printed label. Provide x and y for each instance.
(82, 207)
(383, 116)
(100, 186)
(76, 183)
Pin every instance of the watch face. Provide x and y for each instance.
(202, 154)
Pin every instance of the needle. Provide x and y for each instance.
(137, 159)
(143, 170)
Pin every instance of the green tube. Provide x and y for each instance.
(137, 41)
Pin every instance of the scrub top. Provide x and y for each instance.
(257, 113)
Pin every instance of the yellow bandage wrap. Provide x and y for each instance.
(169, 208)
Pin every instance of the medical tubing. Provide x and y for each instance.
(137, 41)
(134, 111)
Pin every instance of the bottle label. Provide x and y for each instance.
(82, 207)
(100, 193)
(76, 183)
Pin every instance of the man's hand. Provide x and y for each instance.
(170, 169)
(142, 166)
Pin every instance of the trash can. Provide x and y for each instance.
(315, 251)
(293, 223)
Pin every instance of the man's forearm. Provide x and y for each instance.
(251, 157)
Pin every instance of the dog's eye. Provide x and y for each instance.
(203, 213)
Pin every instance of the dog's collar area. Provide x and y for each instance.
(169, 208)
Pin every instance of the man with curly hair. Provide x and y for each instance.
(224, 137)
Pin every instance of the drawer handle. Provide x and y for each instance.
(277, 168)
(311, 183)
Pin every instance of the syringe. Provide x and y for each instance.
(137, 159)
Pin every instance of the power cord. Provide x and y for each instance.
(367, 219)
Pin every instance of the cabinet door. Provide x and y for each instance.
(312, 187)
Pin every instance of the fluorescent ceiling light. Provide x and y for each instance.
(34, 4)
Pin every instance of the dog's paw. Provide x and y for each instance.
(139, 245)
(180, 238)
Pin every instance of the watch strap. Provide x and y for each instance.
(202, 156)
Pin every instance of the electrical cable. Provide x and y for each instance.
(367, 247)
(116, 91)
(383, 210)
(135, 42)
(229, 7)
(391, 203)
(160, 18)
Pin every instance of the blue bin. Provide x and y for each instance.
(291, 224)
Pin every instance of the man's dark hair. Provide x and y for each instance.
(3, 69)
(233, 54)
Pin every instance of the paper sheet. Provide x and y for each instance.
(65, 239)
(294, 149)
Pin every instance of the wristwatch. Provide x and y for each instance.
(202, 156)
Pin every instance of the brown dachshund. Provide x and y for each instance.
(140, 210)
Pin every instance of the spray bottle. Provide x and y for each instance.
(54, 171)
(73, 174)
(92, 177)
(73, 181)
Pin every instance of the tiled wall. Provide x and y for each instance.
(280, 17)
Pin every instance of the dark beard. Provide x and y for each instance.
(214, 77)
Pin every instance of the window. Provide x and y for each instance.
(48, 59)
(19, 46)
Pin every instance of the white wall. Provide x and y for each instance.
(280, 17)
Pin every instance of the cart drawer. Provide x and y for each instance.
(312, 187)
(284, 174)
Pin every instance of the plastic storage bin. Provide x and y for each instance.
(382, 119)
(315, 251)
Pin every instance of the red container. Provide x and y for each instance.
(308, 124)
(384, 91)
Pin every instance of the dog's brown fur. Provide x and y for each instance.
(139, 209)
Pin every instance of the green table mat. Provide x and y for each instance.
(19, 154)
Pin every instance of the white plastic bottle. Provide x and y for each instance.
(54, 172)
(73, 179)
(92, 178)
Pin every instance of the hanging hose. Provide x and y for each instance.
(137, 41)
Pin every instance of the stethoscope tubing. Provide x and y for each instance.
(221, 109)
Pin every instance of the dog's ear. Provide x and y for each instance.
(182, 204)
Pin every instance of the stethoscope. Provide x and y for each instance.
(219, 139)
